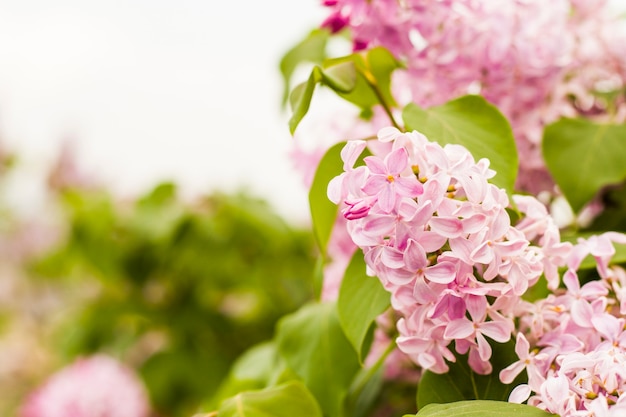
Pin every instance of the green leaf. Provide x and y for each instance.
(287, 400)
(461, 383)
(365, 391)
(481, 409)
(361, 299)
(613, 215)
(318, 277)
(361, 78)
(310, 49)
(373, 81)
(313, 345)
(177, 380)
(300, 99)
(252, 371)
(324, 211)
(474, 123)
(538, 291)
(381, 63)
(584, 157)
(340, 77)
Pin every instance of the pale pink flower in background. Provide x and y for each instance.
(535, 60)
(306, 162)
(93, 386)
(66, 172)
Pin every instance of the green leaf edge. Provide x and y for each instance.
(480, 408)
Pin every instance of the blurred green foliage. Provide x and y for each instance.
(179, 290)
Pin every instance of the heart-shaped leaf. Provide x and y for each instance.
(324, 211)
(361, 299)
(474, 123)
(314, 346)
(583, 157)
(312, 49)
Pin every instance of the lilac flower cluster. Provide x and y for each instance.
(573, 344)
(534, 60)
(440, 239)
(438, 236)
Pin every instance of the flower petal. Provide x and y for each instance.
(441, 273)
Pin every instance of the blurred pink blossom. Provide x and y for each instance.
(95, 386)
(535, 60)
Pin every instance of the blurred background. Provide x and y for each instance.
(148, 207)
(150, 90)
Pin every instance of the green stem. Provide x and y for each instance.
(362, 380)
(474, 385)
(371, 81)
(382, 358)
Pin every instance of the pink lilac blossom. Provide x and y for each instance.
(397, 365)
(456, 269)
(90, 387)
(535, 60)
(306, 155)
(572, 344)
(437, 235)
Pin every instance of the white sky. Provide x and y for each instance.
(150, 90)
